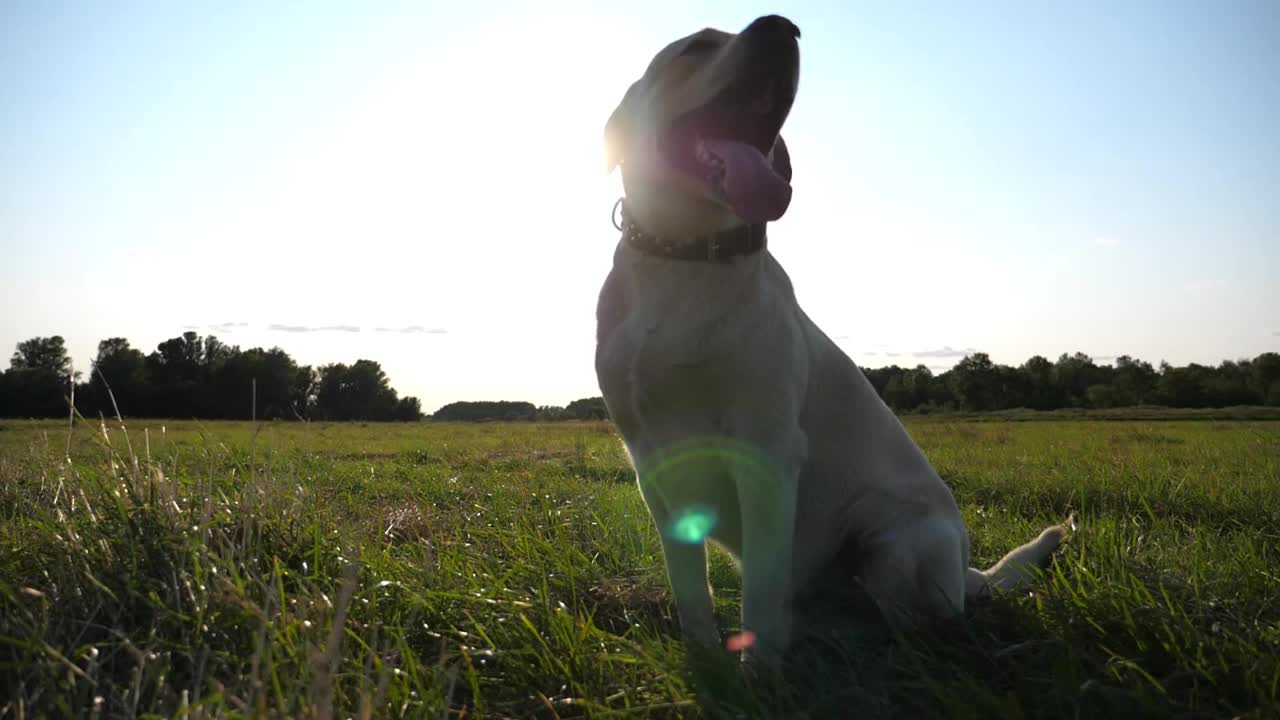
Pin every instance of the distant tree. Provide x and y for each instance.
(215, 354)
(408, 409)
(1229, 385)
(1179, 387)
(194, 376)
(1103, 396)
(1134, 381)
(1264, 378)
(881, 377)
(123, 370)
(550, 413)
(908, 389)
(178, 359)
(927, 389)
(255, 381)
(330, 391)
(1013, 390)
(897, 392)
(1042, 394)
(175, 371)
(43, 354)
(38, 380)
(476, 411)
(1073, 374)
(34, 393)
(302, 396)
(975, 382)
(356, 392)
(592, 408)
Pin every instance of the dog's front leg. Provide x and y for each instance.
(767, 486)
(686, 563)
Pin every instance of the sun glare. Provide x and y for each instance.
(480, 175)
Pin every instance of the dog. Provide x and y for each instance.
(746, 425)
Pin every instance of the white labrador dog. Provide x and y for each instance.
(745, 423)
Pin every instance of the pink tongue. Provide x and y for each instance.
(749, 184)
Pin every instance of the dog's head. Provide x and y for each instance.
(698, 135)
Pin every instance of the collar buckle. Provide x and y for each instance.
(713, 248)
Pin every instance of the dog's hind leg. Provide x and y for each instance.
(919, 570)
(1021, 565)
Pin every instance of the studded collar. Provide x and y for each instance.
(719, 247)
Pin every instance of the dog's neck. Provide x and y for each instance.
(715, 247)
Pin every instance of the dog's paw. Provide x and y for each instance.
(1070, 525)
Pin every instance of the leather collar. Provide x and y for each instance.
(721, 247)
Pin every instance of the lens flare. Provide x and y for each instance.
(693, 524)
(683, 464)
(741, 641)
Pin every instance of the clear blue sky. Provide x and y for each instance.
(420, 183)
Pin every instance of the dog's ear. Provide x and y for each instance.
(618, 129)
(781, 158)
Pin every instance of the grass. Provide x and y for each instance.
(189, 570)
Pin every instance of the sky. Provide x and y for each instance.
(422, 183)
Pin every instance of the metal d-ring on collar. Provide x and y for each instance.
(616, 215)
(719, 247)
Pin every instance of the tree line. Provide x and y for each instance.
(976, 384)
(592, 408)
(196, 377)
(201, 377)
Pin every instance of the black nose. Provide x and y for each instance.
(774, 24)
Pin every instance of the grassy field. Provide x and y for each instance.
(190, 569)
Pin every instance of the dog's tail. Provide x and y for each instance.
(1021, 565)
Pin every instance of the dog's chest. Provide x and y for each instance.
(671, 312)
(667, 331)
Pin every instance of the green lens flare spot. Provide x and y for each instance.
(693, 524)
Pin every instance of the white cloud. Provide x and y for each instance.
(224, 327)
(276, 327)
(946, 351)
